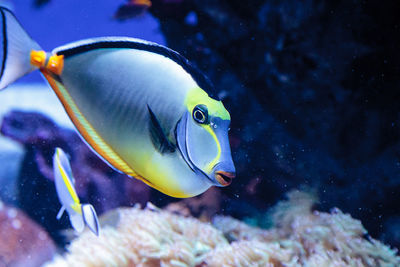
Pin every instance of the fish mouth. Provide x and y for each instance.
(224, 178)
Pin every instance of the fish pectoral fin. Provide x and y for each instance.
(90, 218)
(60, 213)
(158, 136)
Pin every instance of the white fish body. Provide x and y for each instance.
(142, 107)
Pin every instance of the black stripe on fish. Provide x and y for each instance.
(5, 43)
(158, 137)
(202, 80)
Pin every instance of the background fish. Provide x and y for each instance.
(132, 8)
(79, 214)
(140, 106)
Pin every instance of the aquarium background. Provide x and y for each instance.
(313, 90)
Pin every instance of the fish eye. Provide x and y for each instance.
(200, 114)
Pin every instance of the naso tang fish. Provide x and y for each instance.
(132, 8)
(140, 106)
(79, 214)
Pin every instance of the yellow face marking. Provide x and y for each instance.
(75, 206)
(198, 96)
(216, 159)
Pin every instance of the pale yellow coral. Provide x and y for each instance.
(248, 253)
(143, 237)
(237, 230)
(300, 237)
(313, 238)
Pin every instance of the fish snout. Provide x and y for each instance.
(224, 171)
(224, 178)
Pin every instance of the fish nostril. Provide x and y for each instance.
(224, 178)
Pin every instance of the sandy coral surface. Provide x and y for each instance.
(299, 237)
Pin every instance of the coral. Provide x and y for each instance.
(148, 237)
(299, 237)
(23, 242)
(250, 253)
(203, 207)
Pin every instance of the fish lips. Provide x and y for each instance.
(222, 173)
(224, 178)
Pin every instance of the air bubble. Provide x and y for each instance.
(16, 224)
(12, 213)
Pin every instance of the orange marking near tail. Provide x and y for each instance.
(56, 64)
(141, 2)
(38, 58)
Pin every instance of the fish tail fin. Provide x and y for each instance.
(77, 221)
(90, 218)
(15, 49)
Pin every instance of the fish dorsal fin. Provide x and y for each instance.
(158, 137)
(64, 163)
(134, 43)
(63, 178)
